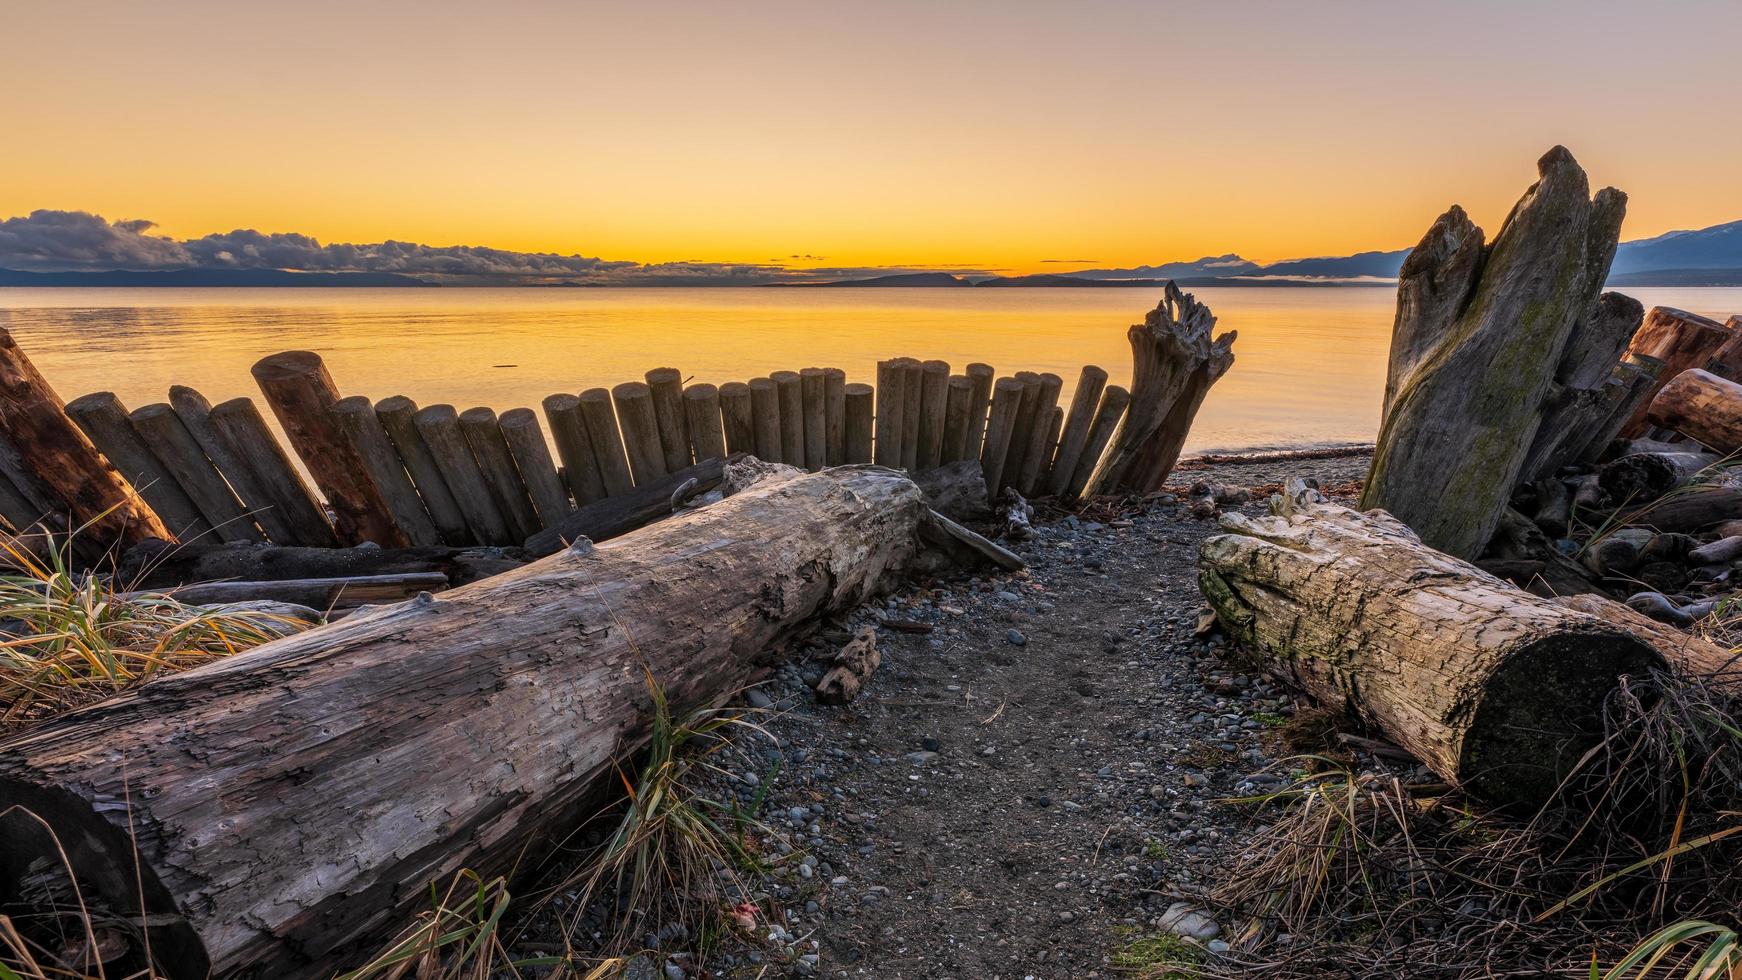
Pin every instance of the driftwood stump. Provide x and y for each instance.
(1491, 687)
(1480, 338)
(1174, 363)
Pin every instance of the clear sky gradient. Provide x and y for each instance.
(964, 135)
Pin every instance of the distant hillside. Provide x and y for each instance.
(1208, 267)
(909, 279)
(1679, 277)
(1717, 247)
(207, 277)
(1055, 280)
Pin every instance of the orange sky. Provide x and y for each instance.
(995, 135)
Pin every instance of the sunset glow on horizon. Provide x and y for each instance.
(1013, 137)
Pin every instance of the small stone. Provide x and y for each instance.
(758, 700)
(1015, 638)
(1185, 920)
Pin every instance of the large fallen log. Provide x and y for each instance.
(1493, 688)
(1174, 363)
(283, 811)
(156, 565)
(1701, 406)
(1481, 337)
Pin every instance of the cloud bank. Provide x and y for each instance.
(78, 241)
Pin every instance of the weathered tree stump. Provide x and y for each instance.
(1480, 337)
(1174, 363)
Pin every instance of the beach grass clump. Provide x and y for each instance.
(69, 638)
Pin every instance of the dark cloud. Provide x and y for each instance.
(51, 241)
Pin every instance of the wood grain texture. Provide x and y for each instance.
(398, 417)
(240, 426)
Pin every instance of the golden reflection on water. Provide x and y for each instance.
(1310, 361)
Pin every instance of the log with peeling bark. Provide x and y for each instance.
(281, 813)
(1481, 335)
(88, 491)
(157, 565)
(1682, 341)
(1702, 406)
(1174, 362)
(1493, 688)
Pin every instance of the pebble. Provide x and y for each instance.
(1015, 638)
(1186, 920)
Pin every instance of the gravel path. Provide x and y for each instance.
(1030, 785)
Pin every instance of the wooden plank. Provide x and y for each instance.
(104, 421)
(1075, 434)
(959, 392)
(979, 401)
(170, 441)
(299, 391)
(195, 413)
(601, 419)
(765, 419)
(355, 417)
(1036, 456)
(398, 417)
(525, 438)
(816, 418)
(1000, 423)
(835, 414)
(933, 397)
(575, 448)
(1113, 403)
(483, 433)
(890, 404)
(738, 415)
(858, 411)
(640, 425)
(701, 403)
(912, 396)
(439, 425)
(240, 426)
(86, 486)
(666, 386)
(790, 387)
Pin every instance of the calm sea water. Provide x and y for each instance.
(1310, 361)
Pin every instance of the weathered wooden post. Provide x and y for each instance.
(1114, 401)
(701, 403)
(300, 391)
(1075, 433)
(858, 410)
(738, 414)
(240, 426)
(912, 397)
(959, 392)
(170, 441)
(483, 432)
(601, 419)
(835, 414)
(1021, 429)
(666, 386)
(355, 417)
(1041, 435)
(439, 425)
(1000, 420)
(640, 424)
(979, 401)
(62, 458)
(934, 386)
(816, 421)
(104, 420)
(890, 405)
(575, 448)
(525, 438)
(790, 387)
(397, 415)
(765, 408)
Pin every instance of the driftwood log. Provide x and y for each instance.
(1703, 407)
(646, 503)
(1493, 688)
(1682, 341)
(1174, 363)
(319, 594)
(1481, 336)
(284, 811)
(157, 565)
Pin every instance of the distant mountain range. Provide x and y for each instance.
(1706, 257)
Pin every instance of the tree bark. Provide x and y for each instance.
(1174, 363)
(1493, 688)
(1478, 342)
(291, 805)
(91, 491)
(1703, 407)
